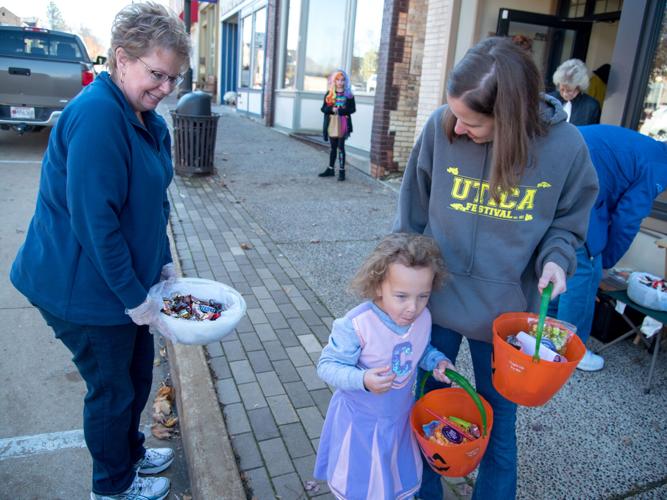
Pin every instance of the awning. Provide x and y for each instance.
(194, 12)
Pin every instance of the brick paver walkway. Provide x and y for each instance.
(265, 374)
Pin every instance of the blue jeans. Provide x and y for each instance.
(577, 304)
(116, 362)
(497, 473)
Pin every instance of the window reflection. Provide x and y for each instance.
(292, 43)
(245, 51)
(654, 115)
(260, 38)
(324, 45)
(363, 73)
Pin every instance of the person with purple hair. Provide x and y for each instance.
(337, 126)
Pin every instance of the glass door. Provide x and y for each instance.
(551, 39)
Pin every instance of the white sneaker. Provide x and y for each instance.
(591, 362)
(142, 488)
(155, 460)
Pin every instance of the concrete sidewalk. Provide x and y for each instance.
(289, 242)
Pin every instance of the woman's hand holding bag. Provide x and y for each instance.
(148, 313)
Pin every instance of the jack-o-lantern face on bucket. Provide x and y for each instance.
(437, 463)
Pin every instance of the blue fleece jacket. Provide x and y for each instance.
(97, 240)
(632, 171)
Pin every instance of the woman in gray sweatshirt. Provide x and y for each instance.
(505, 186)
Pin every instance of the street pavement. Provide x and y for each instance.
(289, 242)
(42, 451)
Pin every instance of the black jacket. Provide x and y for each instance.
(349, 108)
(585, 109)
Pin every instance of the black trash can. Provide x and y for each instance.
(195, 129)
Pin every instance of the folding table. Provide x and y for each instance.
(661, 316)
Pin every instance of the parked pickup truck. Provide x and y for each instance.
(40, 72)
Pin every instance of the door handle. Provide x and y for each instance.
(19, 71)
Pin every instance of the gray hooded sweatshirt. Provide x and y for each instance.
(495, 251)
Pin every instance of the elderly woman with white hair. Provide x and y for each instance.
(571, 80)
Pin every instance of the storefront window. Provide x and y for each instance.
(653, 121)
(363, 73)
(602, 6)
(246, 40)
(260, 38)
(292, 44)
(324, 44)
(577, 8)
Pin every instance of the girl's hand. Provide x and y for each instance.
(439, 371)
(552, 272)
(335, 110)
(375, 380)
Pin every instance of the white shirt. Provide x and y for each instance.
(568, 109)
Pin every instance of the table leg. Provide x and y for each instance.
(633, 327)
(655, 356)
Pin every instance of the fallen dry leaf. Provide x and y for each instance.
(160, 431)
(161, 407)
(165, 392)
(170, 422)
(164, 421)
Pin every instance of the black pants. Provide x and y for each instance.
(337, 144)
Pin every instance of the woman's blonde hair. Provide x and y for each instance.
(411, 250)
(141, 27)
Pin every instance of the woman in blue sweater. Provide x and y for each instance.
(97, 242)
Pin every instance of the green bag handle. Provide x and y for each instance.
(461, 381)
(544, 306)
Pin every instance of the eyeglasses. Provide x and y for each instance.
(159, 77)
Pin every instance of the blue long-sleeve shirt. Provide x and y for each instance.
(97, 240)
(338, 362)
(632, 171)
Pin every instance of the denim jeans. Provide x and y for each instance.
(116, 362)
(577, 304)
(497, 474)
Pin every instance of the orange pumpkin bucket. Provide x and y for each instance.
(453, 460)
(524, 379)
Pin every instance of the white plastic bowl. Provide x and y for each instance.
(189, 331)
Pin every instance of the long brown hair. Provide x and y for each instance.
(499, 79)
(409, 249)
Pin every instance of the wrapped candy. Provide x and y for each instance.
(448, 432)
(555, 335)
(189, 307)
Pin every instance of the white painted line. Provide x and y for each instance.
(24, 446)
(20, 161)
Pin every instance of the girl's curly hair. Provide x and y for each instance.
(409, 249)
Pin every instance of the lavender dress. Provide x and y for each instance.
(367, 449)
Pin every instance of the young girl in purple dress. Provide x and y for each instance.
(367, 449)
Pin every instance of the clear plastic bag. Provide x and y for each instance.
(556, 332)
(188, 331)
(641, 289)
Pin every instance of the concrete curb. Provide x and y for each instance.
(208, 451)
